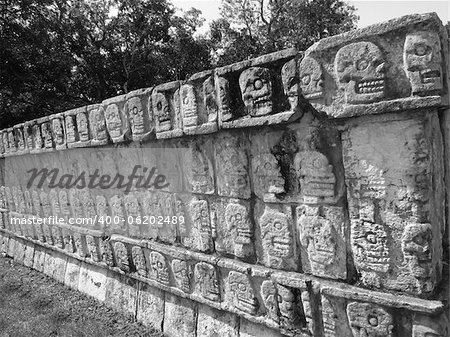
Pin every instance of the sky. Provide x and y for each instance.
(369, 11)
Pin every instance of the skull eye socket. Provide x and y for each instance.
(306, 79)
(373, 320)
(420, 240)
(422, 50)
(186, 100)
(362, 64)
(258, 84)
(159, 105)
(371, 237)
(277, 225)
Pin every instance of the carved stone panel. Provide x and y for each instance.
(196, 233)
(423, 62)
(322, 233)
(116, 119)
(159, 269)
(256, 89)
(268, 181)
(223, 99)
(269, 297)
(425, 326)
(97, 125)
(166, 106)
(121, 256)
(140, 114)
(311, 79)
(276, 235)
(369, 320)
(118, 224)
(182, 275)
(58, 131)
(232, 167)
(241, 293)
(139, 261)
(133, 212)
(291, 85)
(198, 171)
(206, 281)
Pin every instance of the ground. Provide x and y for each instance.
(34, 305)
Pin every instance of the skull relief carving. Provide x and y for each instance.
(188, 105)
(422, 59)
(241, 291)
(159, 270)
(136, 114)
(209, 99)
(417, 249)
(206, 281)
(369, 320)
(359, 68)
(268, 179)
(370, 249)
(290, 81)
(113, 121)
(139, 260)
(46, 134)
(70, 129)
(82, 125)
(37, 137)
(311, 78)
(58, 131)
(269, 297)
(161, 110)
(181, 274)
(121, 254)
(237, 217)
(256, 89)
(223, 98)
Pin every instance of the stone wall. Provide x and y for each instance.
(311, 187)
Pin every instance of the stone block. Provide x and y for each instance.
(19, 251)
(116, 117)
(212, 322)
(39, 258)
(166, 108)
(28, 259)
(121, 293)
(92, 281)
(140, 114)
(180, 316)
(150, 306)
(250, 329)
(55, 265)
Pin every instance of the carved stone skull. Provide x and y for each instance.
(269, 297)
(369, 320)
(70, 129)
(121, 254)
(318, 236)
(209, 99)
(223, 98)
(242, 292)
(268, 178)
(181, 275)
(417, 248)
(113, 121)
(82, 125)
(206, 280)
(188, 105)
(28, 136)
(359, 69)
(37, 137)
(139, 260)
(311, 78)
(276, 235)
(58, 131)
(136, 114)
(289, 77)
(20, 139)
(158, 268)
(369, 241)
(422, 59)
(161, 110)
(256, 89)
(47, 135)
(237, 218)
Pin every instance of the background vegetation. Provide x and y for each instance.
(60, 54)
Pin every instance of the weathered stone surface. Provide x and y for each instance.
(179, 317)
(140, 114)
(369, 320)
(121, 293)
(240, 292)
(212, 322)
(150, 306)
(55, 265)
(249, 329)
(72, 275)
(92, 281)
(39, 258)
(392, 201)
(117, 122)
(165, 102)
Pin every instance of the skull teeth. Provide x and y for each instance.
(314, 95)
(368, 87)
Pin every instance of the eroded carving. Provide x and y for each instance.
(311, 78)
(206, 281)
(70, 129)
(136, 114)
(369, 320)
(369, 243)
(256, 89)
(133, 210)
(199, 234)
(209, 99)
(159, 270)
(58, 132)
(240, 226)
(47, 135)
(97, 125)
(268, 181)
(360, 71)
(188, 105)
(242, 293)
(422, 58)
(199, 173)
(161, 111)
(269, 297)
(113, 122)
(289, 77)
(139, 261)
(121, 255)
(181, 275)
(223, 99)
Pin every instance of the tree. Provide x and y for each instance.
(263, 26)
(61, 54)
